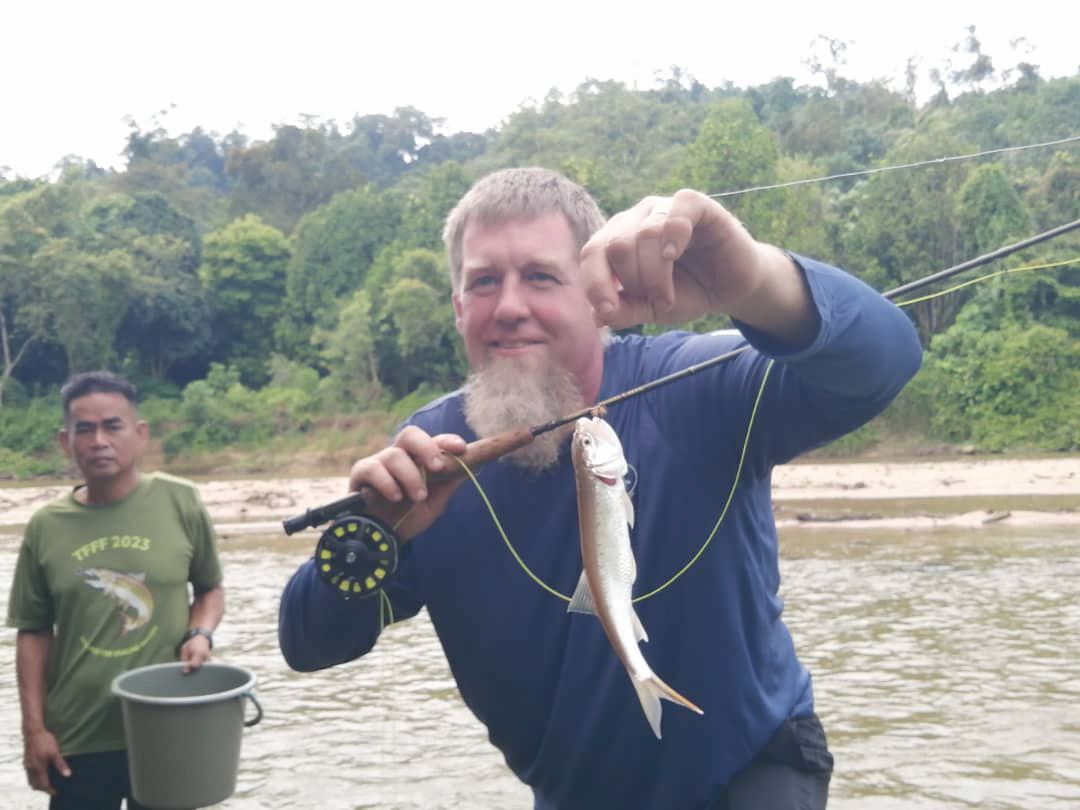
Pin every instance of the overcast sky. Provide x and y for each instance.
(72, 72)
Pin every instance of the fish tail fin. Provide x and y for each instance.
(649, 691)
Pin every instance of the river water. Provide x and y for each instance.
(946, 667)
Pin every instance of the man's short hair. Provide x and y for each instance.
(524, 194)
(95, 382)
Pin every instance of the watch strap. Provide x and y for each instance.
(196, 631)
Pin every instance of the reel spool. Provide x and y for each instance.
(355, 554)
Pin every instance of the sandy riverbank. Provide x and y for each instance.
(977, 487)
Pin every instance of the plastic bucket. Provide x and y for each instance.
(183, 732)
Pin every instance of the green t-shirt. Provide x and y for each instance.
(111, 583)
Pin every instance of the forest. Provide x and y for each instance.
(293, 293)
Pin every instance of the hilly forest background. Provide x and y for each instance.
(281, 304)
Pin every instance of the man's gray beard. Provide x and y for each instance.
(512, 393)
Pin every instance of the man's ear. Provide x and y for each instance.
(62, 440)
(457, 313)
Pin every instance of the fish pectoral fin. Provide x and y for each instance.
(629, 506)
(639, 628)
(582, 601)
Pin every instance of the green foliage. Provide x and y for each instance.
(221, 412)
(1054, 197)
(15, 465)
(333, 294)
(333, 249)
(350, 355)
(88, 298)
(905, 224)
(1014, 387)
(732, 151)
(990, 212)
(28, 445)
(284, 373)
(290, 175)
(629, 138)
(31, 429)
(160, 412)
(426, 198)
(243, 274)
(416, 339)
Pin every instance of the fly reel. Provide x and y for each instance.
(355, 554)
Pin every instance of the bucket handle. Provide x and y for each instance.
(258, 709)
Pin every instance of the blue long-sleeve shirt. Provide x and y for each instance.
(553, 695)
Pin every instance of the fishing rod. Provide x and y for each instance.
(891, 295)
(360, 549)
(981, 260)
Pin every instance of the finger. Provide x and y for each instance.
(393, 471)
(37, 775)
(598, 279)
(37, 778)
(193, 658)
(372, 472)
(193, 655)
(61, 765)
(653, 266)
(450, 444)
(425, 450)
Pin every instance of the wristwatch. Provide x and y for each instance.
(191, 633)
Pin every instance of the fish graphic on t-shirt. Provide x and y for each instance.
(129, 591)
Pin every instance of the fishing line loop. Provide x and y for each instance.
(681, 571)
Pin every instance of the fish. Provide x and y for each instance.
(134, 600)
(605, 517)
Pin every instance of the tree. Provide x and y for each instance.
(425, 334)
(1014, 386)
(383, 148)
(188, 170)
(167, 319)
(426, 197)
(349, 353)
(290, 175)
(29, 221)
(990, 213)
(332, 250)
(243, 273)
(88, 298)
(905, 224)
(733, 151)
(981, 67)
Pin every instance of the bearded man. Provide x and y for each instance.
(538, 280)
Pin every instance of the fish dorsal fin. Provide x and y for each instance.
(629, 506)
(582, 601)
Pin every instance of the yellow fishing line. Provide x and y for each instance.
(502, 533)
(731, 492)
(986, 278)
(386, 607)
(386, 611)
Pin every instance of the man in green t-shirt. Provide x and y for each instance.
(101, 587)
